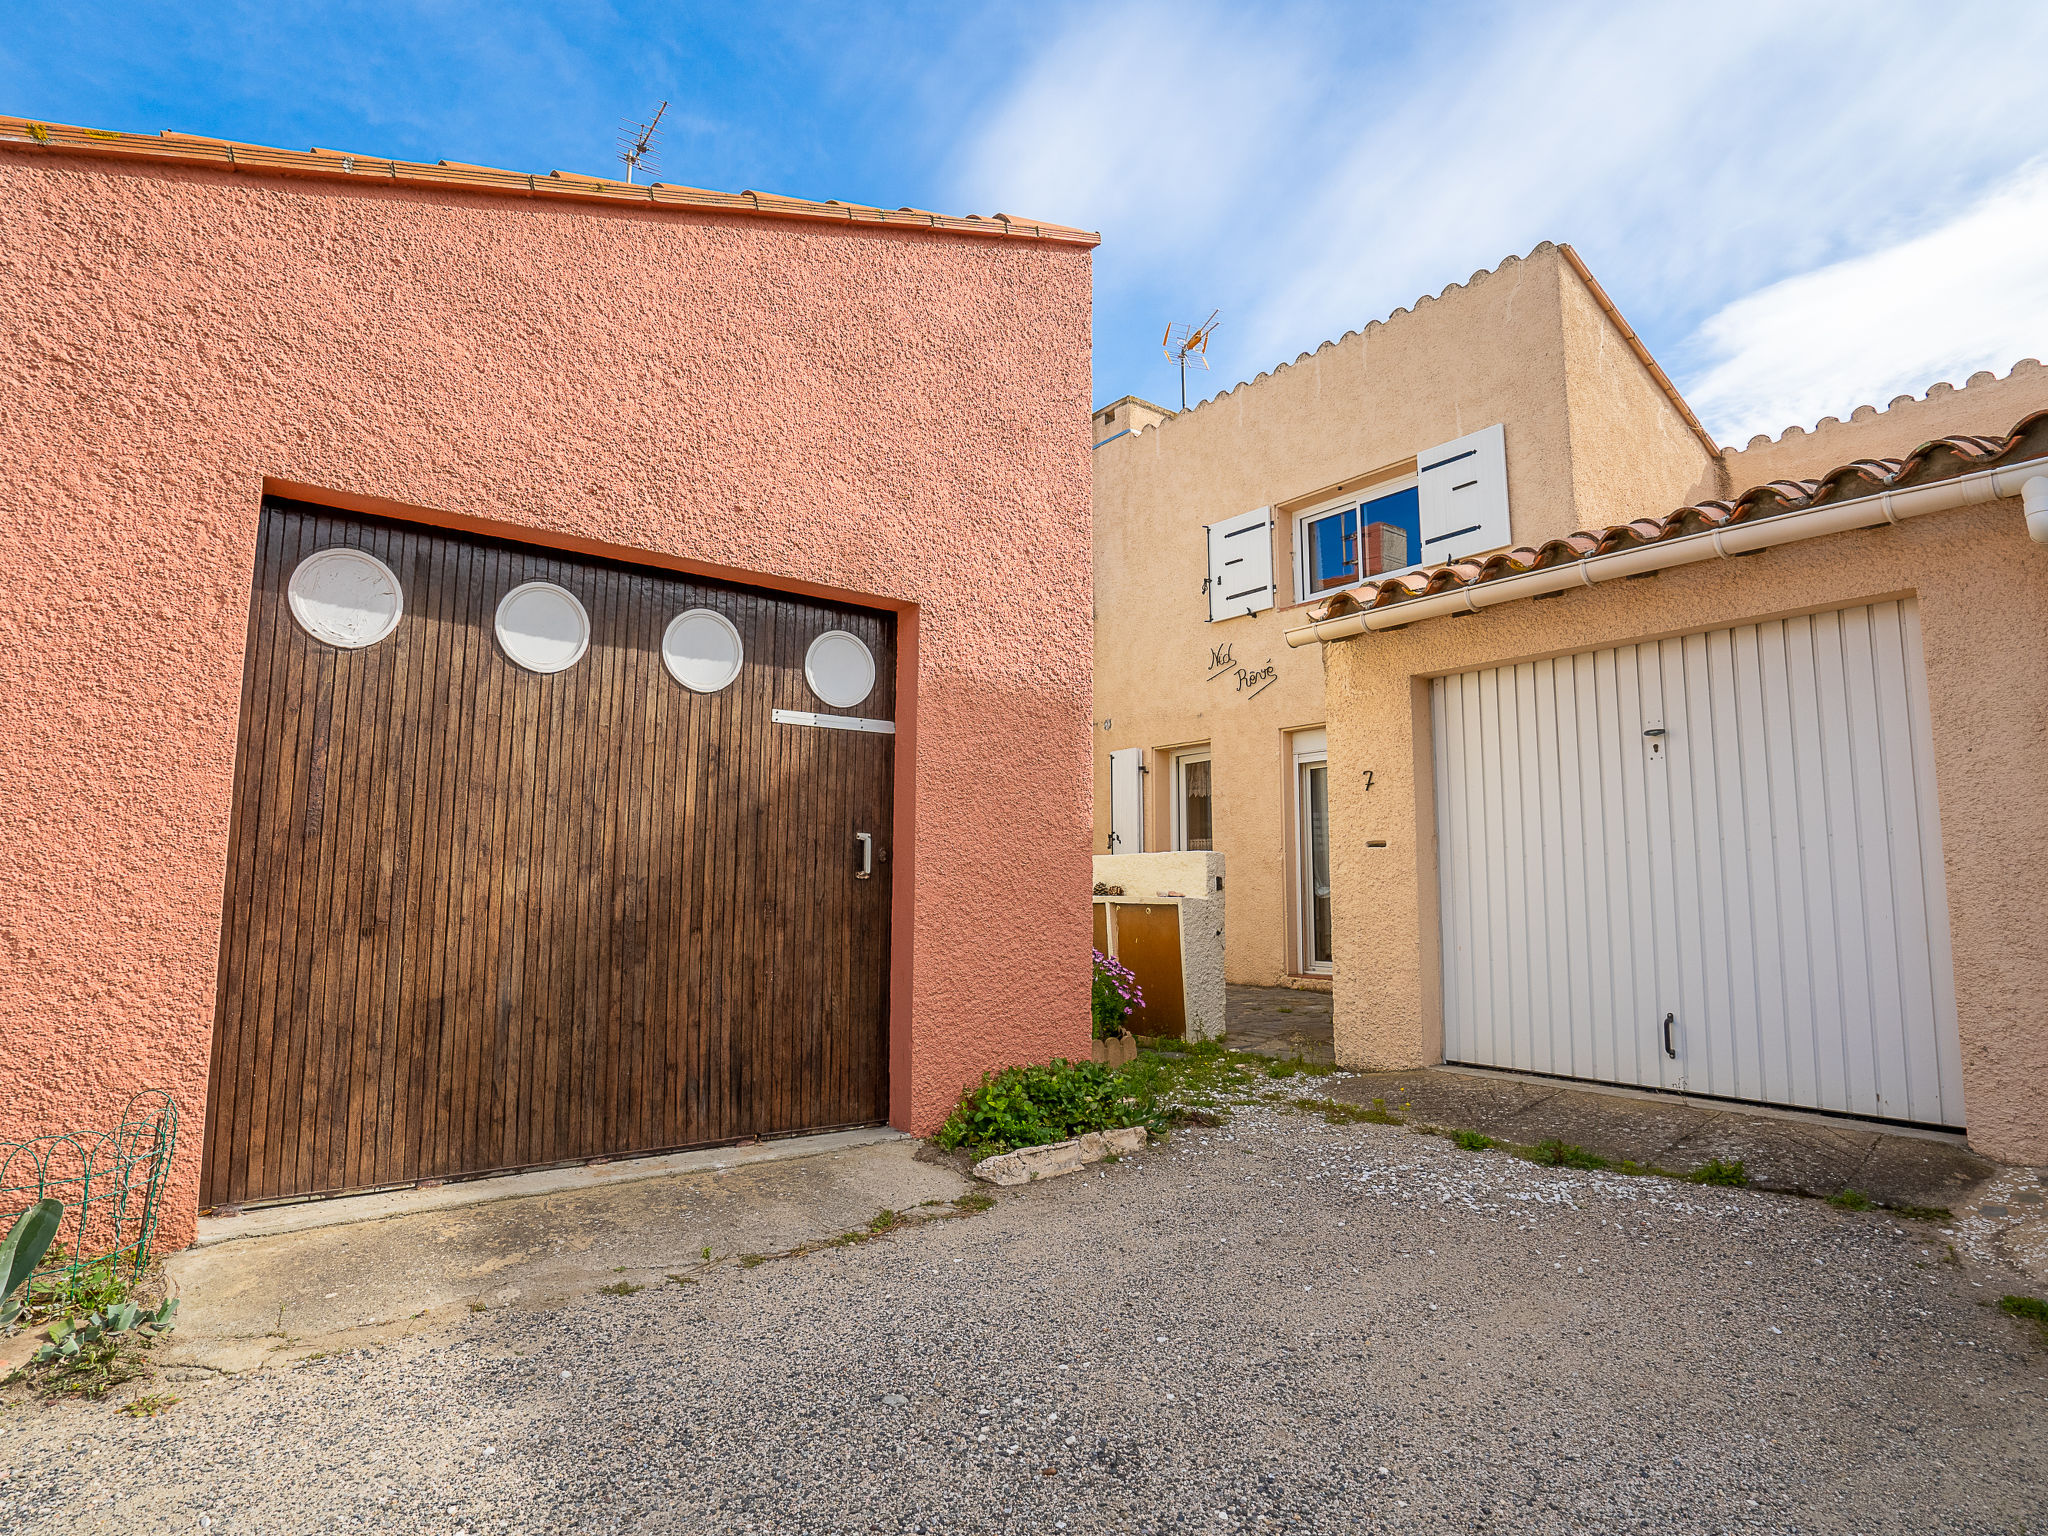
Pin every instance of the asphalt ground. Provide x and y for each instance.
(1276, 1325)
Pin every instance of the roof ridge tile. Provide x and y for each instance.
(25, 135)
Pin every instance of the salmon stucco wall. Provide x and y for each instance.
(863, 411)
(1979, 581)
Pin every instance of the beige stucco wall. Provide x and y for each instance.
(1980, 582)
(1523, 345)
(1632, 454)
(1987, 406)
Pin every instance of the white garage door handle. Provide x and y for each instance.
(867, 855)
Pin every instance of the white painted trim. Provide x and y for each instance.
(676, 667)
(1180, 796)
(1297, 534)
(316, 619)
(821, 651)
(1127, 800)
(833, 722)
(1304, 894)
(582, 614)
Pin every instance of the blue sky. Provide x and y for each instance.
(1803, 207)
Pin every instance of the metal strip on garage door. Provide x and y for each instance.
(480, 917)
(1710, 863)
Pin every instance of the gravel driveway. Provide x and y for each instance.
(1278, 1325)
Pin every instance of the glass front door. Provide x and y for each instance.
(1312, 796)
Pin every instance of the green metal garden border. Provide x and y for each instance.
(111, 1185)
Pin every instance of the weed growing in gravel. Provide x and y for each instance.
(1195, 1082)
(622, 1288)
(99, 1323)
(147, 1406)
(1730, 1175)
(2028, 1309)
(1922, 1212)
(1562, 1154)
(1850, 1200)
(880, 1225)
(1339, 1113)
(1472, 1141)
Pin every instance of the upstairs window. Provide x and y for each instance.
(1356, 540)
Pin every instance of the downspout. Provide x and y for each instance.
(2028, 480)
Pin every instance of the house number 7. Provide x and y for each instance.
(1368, 778)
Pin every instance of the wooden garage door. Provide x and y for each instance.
(1710, 863)
(479, 917)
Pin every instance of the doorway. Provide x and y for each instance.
(537, 858)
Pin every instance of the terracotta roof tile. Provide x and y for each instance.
(1944, 458)
(27, 136)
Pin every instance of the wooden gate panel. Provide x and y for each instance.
(481, 918)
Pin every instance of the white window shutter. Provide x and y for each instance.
(1241, 565)
(1127, 801)
(1464, 496)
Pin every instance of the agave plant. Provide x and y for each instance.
(22, 1250)
(66, 1338)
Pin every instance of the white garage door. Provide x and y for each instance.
(1710, 864)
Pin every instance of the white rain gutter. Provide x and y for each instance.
(2028, 480)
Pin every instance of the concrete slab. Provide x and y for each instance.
(1819, 1159)
(1780, 1149)
(275, 1298)
(347, 1210)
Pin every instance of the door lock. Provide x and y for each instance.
(867, 855)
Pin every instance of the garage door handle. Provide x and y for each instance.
(1670, 1045)
(867, 855)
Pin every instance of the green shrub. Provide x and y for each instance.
(1030, 1106)
(1714, 1171)
(1472, 1141)
(1850, 1200)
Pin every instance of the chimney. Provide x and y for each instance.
(1129, 414)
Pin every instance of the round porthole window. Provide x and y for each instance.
(840, 670)
(542, 627)
(345, 598)
(702, 650)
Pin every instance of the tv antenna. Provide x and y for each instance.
(636, 145)
(1185, 344)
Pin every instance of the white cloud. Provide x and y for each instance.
(1970, 294)
(1320, 165)
(1149, 117)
